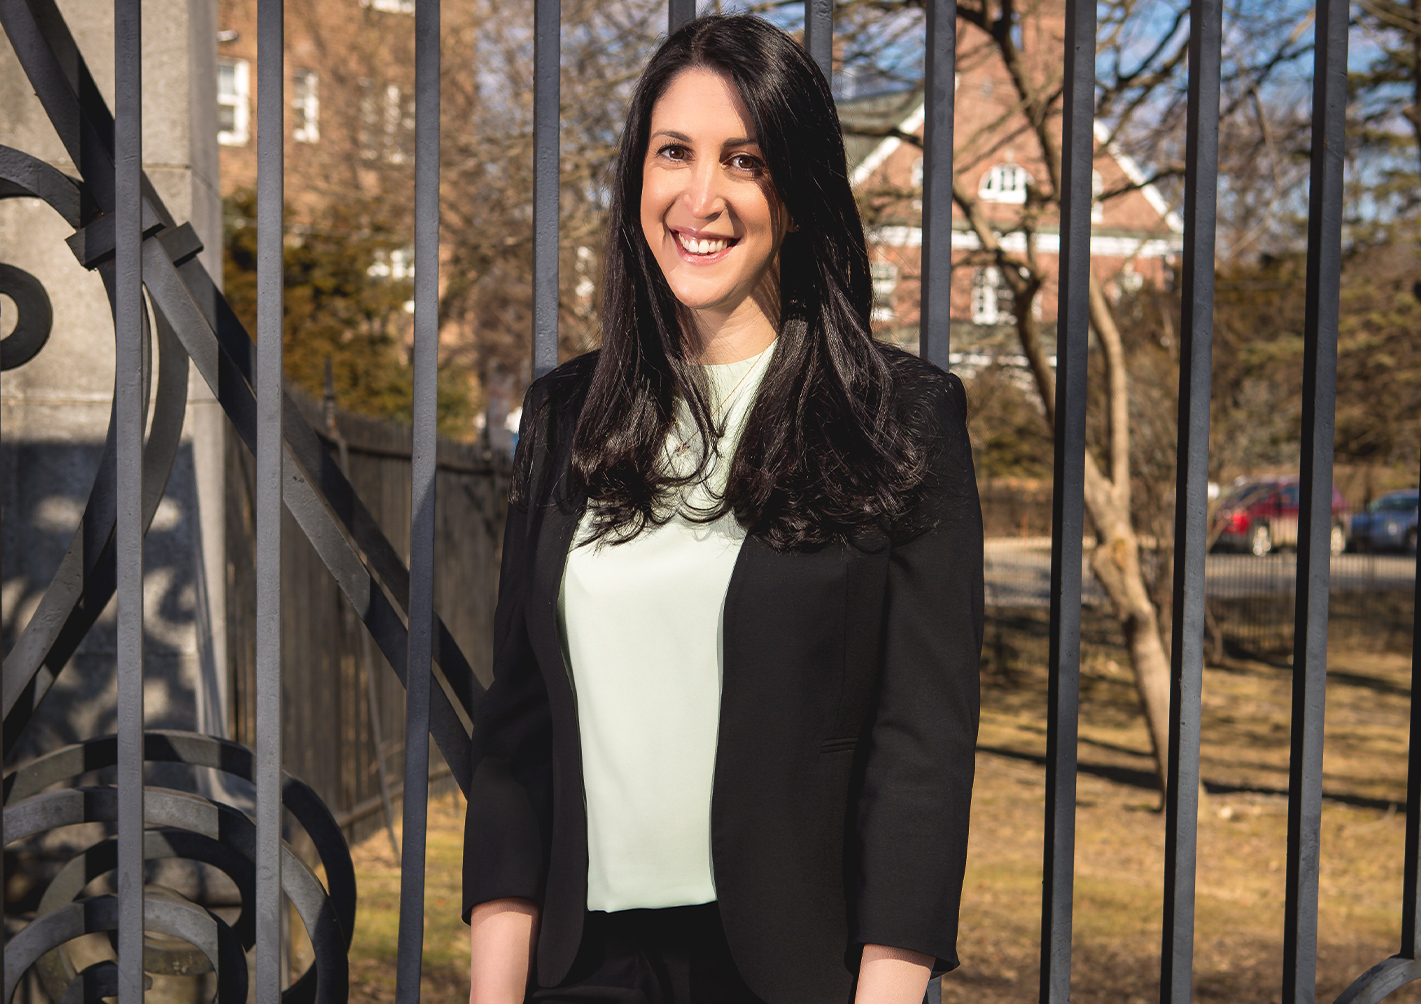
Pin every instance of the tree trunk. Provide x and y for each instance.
(1116, 558)
(1116, 563)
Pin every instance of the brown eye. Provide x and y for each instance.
(745, 162)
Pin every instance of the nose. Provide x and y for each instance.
(703, 196)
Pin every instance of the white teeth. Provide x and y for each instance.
(695, 246)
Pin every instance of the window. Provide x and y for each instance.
(885, 284)
(1004, 183)
(369, 121)
(586, 259)
(399, 125)
(991, 298)
(306, 103)
(1394, 503)
(390, 6)
(386, 123)
(396, 264)
(233, 97)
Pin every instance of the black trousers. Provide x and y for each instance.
(676, 955)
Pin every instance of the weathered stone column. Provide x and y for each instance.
(54, 410)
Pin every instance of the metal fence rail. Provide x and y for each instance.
(1068, 503)
(344, 727)
(271, 134)
(1192, 502)
(124, 231)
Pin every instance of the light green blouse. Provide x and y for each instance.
(640, 624)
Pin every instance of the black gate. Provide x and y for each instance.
(123, 231)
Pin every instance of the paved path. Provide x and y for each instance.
(1019, 573)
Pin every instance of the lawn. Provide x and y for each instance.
(1119, 844)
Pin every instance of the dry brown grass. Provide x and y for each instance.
(1120, 838)
(1242, 833)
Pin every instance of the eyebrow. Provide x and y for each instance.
(683, 138)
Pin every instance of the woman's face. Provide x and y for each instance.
(708, 207)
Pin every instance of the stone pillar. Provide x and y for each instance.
(54, 410)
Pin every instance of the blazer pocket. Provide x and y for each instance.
(838, 745)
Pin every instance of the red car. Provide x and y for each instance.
(1259, 516)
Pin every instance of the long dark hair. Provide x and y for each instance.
(824, 450)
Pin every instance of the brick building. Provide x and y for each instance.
(1134, 235)
(350, 130)
(349, 97)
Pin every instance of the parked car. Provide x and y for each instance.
(1389, 523)
(1261, 515)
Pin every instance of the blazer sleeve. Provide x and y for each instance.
(508, 823)
(917, 789)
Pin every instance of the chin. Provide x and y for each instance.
(696, 300)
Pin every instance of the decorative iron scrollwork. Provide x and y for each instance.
(33, 317)
(181, 825)
(189, 321)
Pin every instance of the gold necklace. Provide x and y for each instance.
(726, 401)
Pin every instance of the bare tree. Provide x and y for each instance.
(1142, 59)
(366, 158)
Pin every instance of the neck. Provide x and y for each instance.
(730, 337)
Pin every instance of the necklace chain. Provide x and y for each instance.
(727, 401)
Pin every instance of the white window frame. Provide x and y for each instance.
(390, 6)
(396, 264)
(1097, 189)
(987, 289)
(884, 275)
(306, 102)
(368, 133)
(393, 116)
(397, 123)
(585, 286)
(1005, 183)
(239, 100)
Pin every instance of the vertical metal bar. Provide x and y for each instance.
(1068, 501)
(935, 290)
(128, 389)
(819, 34)
(547, 33)
(4, 877)
(1411, 887)
(678, 12)
(1192, 501)
(270, 965)
(422, 484)
(1315, 502)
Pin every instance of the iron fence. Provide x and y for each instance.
(125, 232)
(344, 726)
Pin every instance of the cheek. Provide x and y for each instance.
(653, 207)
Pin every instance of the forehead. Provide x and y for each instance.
(701, 102)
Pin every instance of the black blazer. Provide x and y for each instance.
(848, 721)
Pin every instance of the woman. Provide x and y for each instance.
(727, 755)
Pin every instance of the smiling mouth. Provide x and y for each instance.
(704, 245)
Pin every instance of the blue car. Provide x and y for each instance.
(1389, 523)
